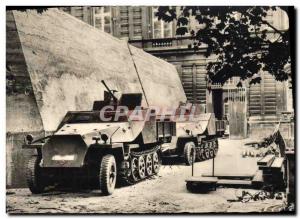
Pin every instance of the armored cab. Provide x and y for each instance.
(98, 147)
(194, 134)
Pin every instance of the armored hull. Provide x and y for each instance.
(195, 137)
(101, 148)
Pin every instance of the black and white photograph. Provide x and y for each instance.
(150, 109)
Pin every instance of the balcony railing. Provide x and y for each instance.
(162, 43)
(174, 43)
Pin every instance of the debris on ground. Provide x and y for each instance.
(269, 145)
(261, 151)
(257, 196)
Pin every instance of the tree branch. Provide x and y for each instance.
(268, 24)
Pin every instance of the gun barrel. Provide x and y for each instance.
(109, 91)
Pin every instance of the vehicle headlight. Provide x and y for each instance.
(29, 139)
(104, 137)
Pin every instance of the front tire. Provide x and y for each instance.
(108, 174)
(189, 153)
(34, 176)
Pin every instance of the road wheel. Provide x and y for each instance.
(34, 175)
(189, 153)
(149, 165)
(135, 169)
(198, 154)
(156, 164)
(206, 154)
(108, 174)
(211, 153)
(203, 157)
(215, 145)
(215, 151)
(142, 167)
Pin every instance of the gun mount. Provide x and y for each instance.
(110, 92)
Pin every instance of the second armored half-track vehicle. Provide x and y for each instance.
(86, 148)
(194, 138)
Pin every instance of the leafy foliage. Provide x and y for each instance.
(238, 36)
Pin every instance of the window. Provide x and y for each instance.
(98, 23)
(167, 30)
(193, 80)
(157, 29)
(161, 29)
(263, 97)
(124, 20)
(137, 22)
(97, 10)
(106, 9)
(102, 18)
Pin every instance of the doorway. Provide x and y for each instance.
(217, 99)
(237, 112)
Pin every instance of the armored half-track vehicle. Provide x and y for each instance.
(98, 151)
(195, 137)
